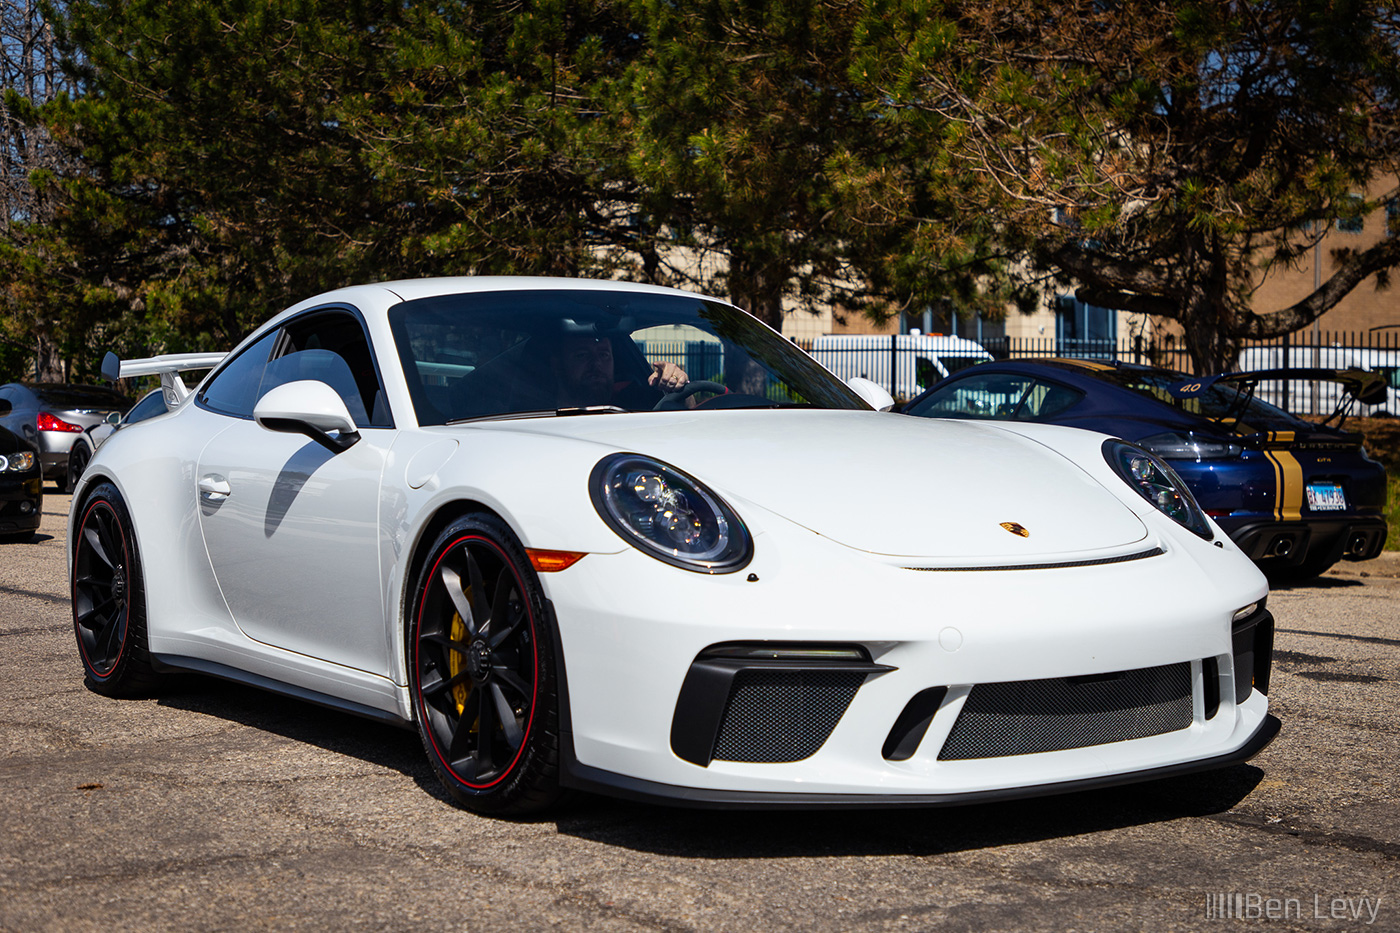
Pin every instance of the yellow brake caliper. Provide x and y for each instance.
(456, 661)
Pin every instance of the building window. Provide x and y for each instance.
(1392, 217)
(1085, 331)
(1352, 220)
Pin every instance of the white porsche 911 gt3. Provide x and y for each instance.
(627, 539)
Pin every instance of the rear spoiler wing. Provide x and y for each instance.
(1364, 386)
(167, 367)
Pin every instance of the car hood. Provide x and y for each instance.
(916, 487)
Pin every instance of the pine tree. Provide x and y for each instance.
(1160, 155)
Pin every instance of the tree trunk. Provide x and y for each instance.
(756, 279)
(48, 363)
(1211, 336)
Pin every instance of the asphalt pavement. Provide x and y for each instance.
(217, 807)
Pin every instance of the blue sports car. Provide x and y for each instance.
(1295, 495)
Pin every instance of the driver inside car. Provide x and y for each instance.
(584, 377)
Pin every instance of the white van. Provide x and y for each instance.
(1301, 394)
(919, 360)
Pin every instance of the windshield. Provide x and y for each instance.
(495, 354)
(1220, 401)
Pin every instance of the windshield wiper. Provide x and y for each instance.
(539, 413)
(502, 416)
(589, 410)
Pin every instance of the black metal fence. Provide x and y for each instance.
(1376, 349)
(904, 369)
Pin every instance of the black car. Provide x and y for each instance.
(53, 415)
(1294, 495)
(21, 486)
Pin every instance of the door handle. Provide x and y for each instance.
(214, 488)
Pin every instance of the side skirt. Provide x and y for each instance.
(178, 664)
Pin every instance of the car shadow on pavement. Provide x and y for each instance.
(1316, 583)
(21, 540)
(902, 831)
(342, 733)
(779, 833)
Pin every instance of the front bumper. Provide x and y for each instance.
(54, 463)
(21, 505)
(594, 780)
(625, 665)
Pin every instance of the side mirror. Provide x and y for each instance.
(311, 408)
(872, 393)
(113, 418)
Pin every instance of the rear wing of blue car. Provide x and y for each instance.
(1366, 387)
(168, 367)
(1358, 385)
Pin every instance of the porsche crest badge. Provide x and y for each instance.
(1017, 529)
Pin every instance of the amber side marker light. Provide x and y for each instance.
(553, 561)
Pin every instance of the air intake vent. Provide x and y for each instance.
(780, 716)
(1027, 716)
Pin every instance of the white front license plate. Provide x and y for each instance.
(1326, 497)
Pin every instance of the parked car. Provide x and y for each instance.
(21, 486)
(54, 415)
(919, 360)
(86, 443)
(476, 508)
(1295, 495)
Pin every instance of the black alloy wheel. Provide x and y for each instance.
(109, 598)
(78, 459)
(481, 663)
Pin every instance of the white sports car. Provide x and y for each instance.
(627, 539)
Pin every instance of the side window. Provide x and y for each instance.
(1046, 400)
(234, 389)
(150, 406)
(925, 374)
(990, 396)
(332, 348)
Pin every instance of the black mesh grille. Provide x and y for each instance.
(775, 716)
(1026, 716)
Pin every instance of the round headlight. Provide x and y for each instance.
(669, 515)
(1158, 484)
(4, 463)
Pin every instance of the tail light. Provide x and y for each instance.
(48, 422)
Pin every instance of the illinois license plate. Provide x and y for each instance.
(1326, 497)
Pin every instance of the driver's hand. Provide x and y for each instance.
(668, 377)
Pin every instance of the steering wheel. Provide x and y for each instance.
(674, 399)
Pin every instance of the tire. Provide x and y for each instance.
(485, 697)
(109, 599)
(78, 459)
